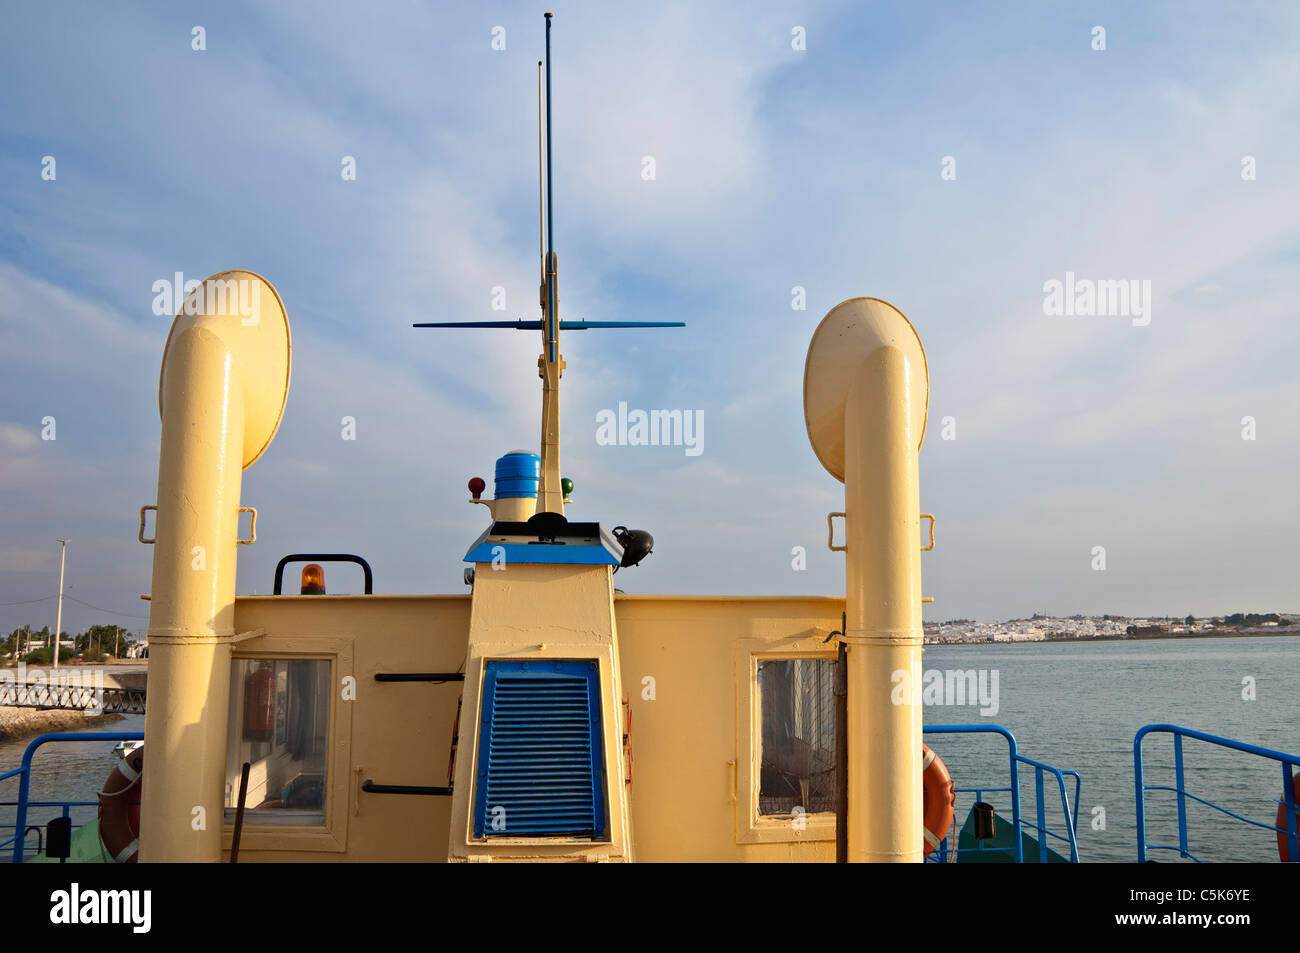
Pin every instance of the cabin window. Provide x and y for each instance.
(279, 720)
(797, 709)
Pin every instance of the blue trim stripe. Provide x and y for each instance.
(526, 553)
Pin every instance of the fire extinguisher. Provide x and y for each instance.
(259, 705)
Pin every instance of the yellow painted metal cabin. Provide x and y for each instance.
(694, 729)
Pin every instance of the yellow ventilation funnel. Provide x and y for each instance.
(850, 332)
(866, 395)
(246, 313)
(224, 381)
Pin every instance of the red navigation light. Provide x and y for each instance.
(476, 487)
(313, 580)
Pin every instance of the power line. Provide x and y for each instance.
(24, 602)
(129, 615)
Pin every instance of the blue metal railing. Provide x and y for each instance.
(24, 774)
(1015, 761)
(1288, 762)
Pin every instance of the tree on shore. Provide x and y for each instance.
(103, 641)
(1250, 618)
(13, 643)
(42, 655)
(95, 644)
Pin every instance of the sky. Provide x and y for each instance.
(951, 158)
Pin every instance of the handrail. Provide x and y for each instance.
(1289, 763)
(1013, 752)
(66, 806)
(24, 774)
(1071, 817)
(436, 677)
(371, 787)
(1078, 788)
(1071, 820)
(368, 583)
(980, 794)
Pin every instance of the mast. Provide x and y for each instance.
(541, 194)
(550, 365)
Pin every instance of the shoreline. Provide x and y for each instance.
(1180, 637)
(17, 724)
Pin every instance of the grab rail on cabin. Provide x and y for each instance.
(1287, 802)
(17, 843)
(368, 577)
(947, 852)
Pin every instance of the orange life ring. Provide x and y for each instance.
(1282, 851)
(119, 809)
(939, 800)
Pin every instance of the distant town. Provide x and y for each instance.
(1048, 628)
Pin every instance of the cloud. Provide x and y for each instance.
(15, 439)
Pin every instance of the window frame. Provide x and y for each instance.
(330, 836)
(751, 826)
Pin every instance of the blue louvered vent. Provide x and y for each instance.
(540, 770)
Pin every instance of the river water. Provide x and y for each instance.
(1072, 705)
(1078, 705)
(66, 771)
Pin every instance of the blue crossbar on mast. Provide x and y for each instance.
(537, 325)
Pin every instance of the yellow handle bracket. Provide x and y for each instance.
(830, 533)
(140, 535)
(252, 525)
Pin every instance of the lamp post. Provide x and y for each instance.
(58, 621)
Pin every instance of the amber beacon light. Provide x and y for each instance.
(313, 580)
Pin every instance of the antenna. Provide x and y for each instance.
(541, 184)
(550, 497)
(551, 335)
(550, 366)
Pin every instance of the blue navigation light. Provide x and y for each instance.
(517, 475)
